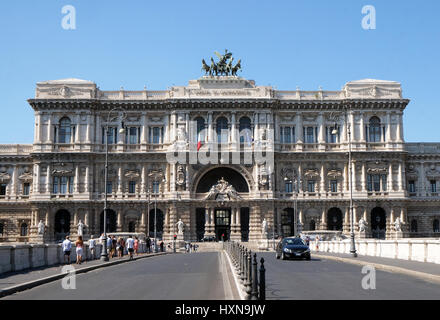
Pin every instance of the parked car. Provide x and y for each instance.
(292, 247)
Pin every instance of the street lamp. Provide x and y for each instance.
(156, 179)
(335, 131)
(104, 255)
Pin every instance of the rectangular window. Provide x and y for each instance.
(2, 189)
(384, 182)
(411, 186)
(156, 135)
(310, 134)
(332, 138)
(311, 186)
(373, 182)
(286, 134)
(70, 185)
(155, 186)
(334, 185)
(288, 187)
(433, 186)
(112, 135)
(109, 187)
(55, 185)
(26, 189)
(132, 187)
(63, 185)
(133, 135)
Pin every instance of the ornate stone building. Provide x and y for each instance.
(59, 179)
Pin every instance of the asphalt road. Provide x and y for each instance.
(326, 279)
(195, 276)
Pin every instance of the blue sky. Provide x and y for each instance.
(161, 43)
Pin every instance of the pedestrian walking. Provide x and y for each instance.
(317, 243)
(109, 246)
(148, 244)
(136, 245)
(153, 246)
(119, 247)
(130, 247)
(79, 244)
(161, 246)
(67, 246)
(114, 243)
(92, 243)
(101, 239)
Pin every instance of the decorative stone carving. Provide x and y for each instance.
(132, 174)
(80, 228)
(181, 134)
(311, 173)
(4, 177)
(41, 227)
(362, 225)
(432, 173)
(180, 176)
(377, 170)
(62, 172)
(398, 225)
(180, 225)
(334, 174)
(222, 191)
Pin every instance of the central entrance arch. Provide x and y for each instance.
(232, 176)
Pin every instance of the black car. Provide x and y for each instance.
(292, 248)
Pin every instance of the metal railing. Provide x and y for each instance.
(245, 266)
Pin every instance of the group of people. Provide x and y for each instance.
(117, 246)
(79, 247)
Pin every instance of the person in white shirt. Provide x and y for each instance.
(67, 246)
(92, 243)
(130, 246)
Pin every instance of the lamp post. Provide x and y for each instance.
(335, 131)
(156, 176)
(104, 255)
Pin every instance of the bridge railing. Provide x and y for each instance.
(246, 269)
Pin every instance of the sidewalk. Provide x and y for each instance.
(425, 270)
(12, 279)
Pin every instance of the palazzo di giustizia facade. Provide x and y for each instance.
(304, 135)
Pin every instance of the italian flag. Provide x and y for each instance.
(199, 141)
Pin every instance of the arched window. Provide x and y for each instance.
(436, 225)
(2, 228)
(414, 225)
(374, 130)
(222, 130)
(245, 130)
(312, 225)
(24, 230)
(200, 129)
(65, 130)
(131, 226)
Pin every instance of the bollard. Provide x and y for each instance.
(254, 279)
(262, 280)
(248, 283)
(240, 270)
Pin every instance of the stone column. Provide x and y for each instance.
(119, 180)
(324, 219)
(87, 180)
(363, 178)
(76, 180)
(13, 181)
(399, 178)
(37, 178)
(210, 137)
(119, 221)
(362, 128)
(144, 131)
(299, 128)
(346, 226)
(322, 186)
(390, 177)
(49, 130)
(321, 128)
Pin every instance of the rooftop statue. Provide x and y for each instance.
(223, 67)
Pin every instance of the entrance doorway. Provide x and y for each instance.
(378, 223)
(334, 219)
(222, 224)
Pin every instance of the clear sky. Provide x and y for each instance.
(161, 43)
